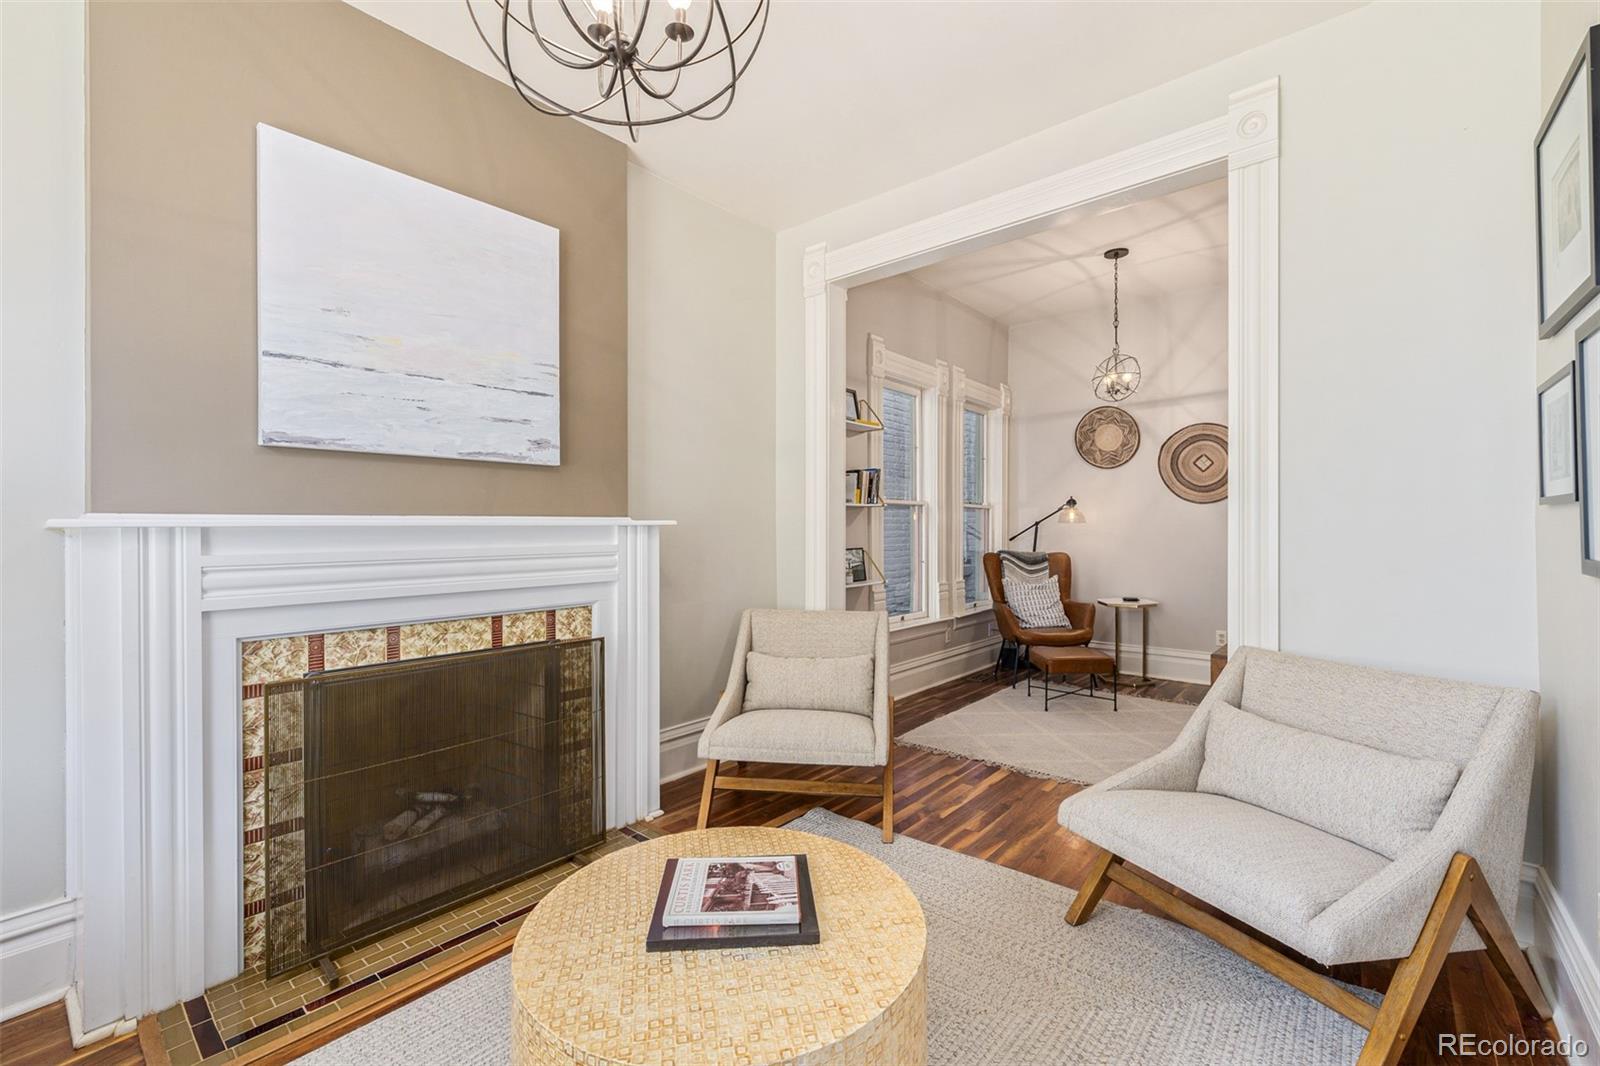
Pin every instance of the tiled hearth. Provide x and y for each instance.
(292, 657)
(240, 1016)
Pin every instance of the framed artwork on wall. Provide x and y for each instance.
(1558, 438)
(1586, 386)
(1565, 203)
(399, 317)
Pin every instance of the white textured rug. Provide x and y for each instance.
(1008, 983)
(1078, 739)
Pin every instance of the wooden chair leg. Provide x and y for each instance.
(705, 793)
(1487, 918)
(1093, 888)
(1415, 977)
(888, 781)
(888, 797)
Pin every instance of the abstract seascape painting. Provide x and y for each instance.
(395, 316)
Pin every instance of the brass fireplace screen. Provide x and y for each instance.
(395, 791)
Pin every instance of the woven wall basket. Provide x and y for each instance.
(1107, 437)
(1194, 462)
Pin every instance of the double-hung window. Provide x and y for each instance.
(976, 520)
(942, 460)
(982, 414)
(911, 397)
(905, 505)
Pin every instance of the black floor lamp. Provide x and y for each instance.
(1070, 515)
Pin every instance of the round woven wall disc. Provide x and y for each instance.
(1194, 462)
(1107, 437)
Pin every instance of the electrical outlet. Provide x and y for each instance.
(1222, 637)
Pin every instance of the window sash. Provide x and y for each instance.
(905, 587)
(903, 593)
(894, 475)
(975, 587)
(974, 456)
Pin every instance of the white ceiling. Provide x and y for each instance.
(1175, 242)
(849, 98)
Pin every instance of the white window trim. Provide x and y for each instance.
(995, 402)
(933, 382)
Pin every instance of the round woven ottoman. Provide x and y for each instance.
(586, 991)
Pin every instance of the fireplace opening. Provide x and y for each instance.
(397, 790)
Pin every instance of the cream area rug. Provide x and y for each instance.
(1008, 983)
(1078, 739)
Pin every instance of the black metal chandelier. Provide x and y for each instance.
(650, 62)
(1117, 376)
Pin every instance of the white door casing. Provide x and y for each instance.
(1245, 142)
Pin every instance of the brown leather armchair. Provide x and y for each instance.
(1012, 633)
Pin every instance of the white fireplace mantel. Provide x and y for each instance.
(156, 607)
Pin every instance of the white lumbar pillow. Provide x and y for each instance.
(1037, 604)
(1382, 801)
(780, 682)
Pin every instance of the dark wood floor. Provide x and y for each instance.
(41, 1038)
(1010, 818)
(970, 807)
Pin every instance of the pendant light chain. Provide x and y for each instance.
(1116, 302)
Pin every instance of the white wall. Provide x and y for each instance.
(1139, 539)
(1569, 611)
(1405, 299)
(925, 325)
(920, 323)
(41, 475)
(700, 381)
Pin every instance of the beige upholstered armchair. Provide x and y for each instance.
(808, 688)
(1352, 814)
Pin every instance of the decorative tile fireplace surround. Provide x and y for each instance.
(173, 621)
(276, 886)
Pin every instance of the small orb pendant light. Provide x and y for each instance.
(1117, 376)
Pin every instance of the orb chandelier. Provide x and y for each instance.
(651, 61)
(1117, 376)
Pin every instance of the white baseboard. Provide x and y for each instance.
(82, 1037)
(36, 956)
(1172, 664)
(1563, 963)
(935, 668)
(678, 744)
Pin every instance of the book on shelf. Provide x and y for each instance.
(742, 901)
(863, 485)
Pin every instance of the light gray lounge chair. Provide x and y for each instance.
(809, 688)
(1351, 814)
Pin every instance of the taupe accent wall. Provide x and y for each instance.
(175, 92)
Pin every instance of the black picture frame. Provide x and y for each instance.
(855, 565)
(1573, 302)
(1586, 385)
(1564, 374)
(852, 406)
